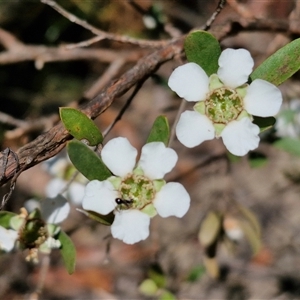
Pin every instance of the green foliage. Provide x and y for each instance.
(68, 252)
(196, 273)
(167, 295)
(157, 275)
(289, 145)
(87, 161)
(80, 126)
(264, 123)
(251, 228)
(281, 65)
(5, 217)
(257, 159)
(103, 219)
(148, 287)
(160, 131)
(210, 229)
(203, 49)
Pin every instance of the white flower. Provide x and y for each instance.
(225, 103)
(136, 192)
(74, 192)
(288, 121)
(55, 210)
(8, 237)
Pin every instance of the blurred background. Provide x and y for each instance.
(253, 201)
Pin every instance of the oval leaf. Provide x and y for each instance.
(211, 266)
(248, 215)
(68, 252)
(210, 229)
(5, 217)
(281, 65)
(252, 236)
(87, 161)
(203, 49)
(80, 126)
(264, 123)
(289, 145)
(103, 219)
(160, 131)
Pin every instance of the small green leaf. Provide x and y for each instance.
(211, 266)
(196, 273)
(148, 287)
(157, 275)
(250, 217)
(257, 159)
(203, 49)
(281, 65)
(160, 131)
(167, 295)
(251, 235)
(210, 229)
(103, 219)
(5, 217)
(87, 161)
(80, 126)
(289, 145)
(68, 252)
(264, 123)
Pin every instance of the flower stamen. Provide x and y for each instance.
(223, 105)
(136, 191)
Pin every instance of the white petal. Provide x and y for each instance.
(54, 187)
(263, 99)
(235, 66)
(189, 82)
(31, 204)
(119, 156)
(157, 160)
(76, 192)
(55, 210)
(130, 226)
(172, 200)
(100, 196)
(193, 128)
(239, 137)
(8, 238)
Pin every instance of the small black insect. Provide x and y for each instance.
(127, 203)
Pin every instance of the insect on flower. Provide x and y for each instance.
(127, 203)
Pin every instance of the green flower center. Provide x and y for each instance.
(223, 105)
(136, 191)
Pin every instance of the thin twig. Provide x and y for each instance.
(43, 274)
(219, 8)
(52, 142)
(104, 35)
(108, 75)
(127, 104)
(180, 110)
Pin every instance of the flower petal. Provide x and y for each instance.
(235, 66)
(8, 238)
(54, 187)
(130, 226)
(119, 156)
(31, 204)
(100, 196)
(263, 99)
(239, 137)
(157, 160)
(55, 210)
(189, 82)
(172, 200)
(76, 192)
(193, 128)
